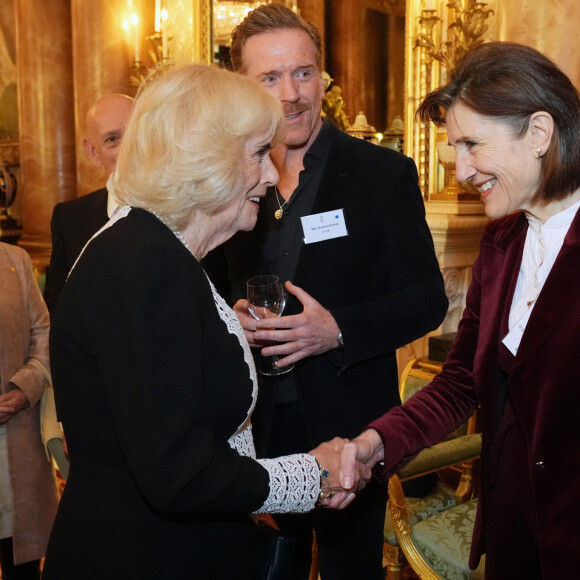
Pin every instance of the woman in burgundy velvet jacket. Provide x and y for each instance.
(514, 120)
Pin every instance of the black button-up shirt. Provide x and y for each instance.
(285, 236)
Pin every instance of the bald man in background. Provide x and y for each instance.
(74, 222)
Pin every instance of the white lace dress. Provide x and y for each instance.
(294, 479)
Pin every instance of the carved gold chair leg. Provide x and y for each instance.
(465, 486)
(395, 562)
(398, 508)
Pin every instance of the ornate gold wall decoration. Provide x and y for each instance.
(437, 38)
(333, 104)
(202, 17)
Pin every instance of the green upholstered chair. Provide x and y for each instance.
(444, 542)
(433, 533)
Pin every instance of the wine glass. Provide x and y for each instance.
(267, 299)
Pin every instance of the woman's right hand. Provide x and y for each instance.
(329, 457)
(248, 322)
(362, 453)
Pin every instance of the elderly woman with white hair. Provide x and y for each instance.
(154, 379)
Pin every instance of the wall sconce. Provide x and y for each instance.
(158, 44)
(466, 31)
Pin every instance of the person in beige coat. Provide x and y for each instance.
(28, 493)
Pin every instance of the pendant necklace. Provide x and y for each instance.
(280, 211)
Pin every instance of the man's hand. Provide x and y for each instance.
(11, 403)
(311, 332)
(366, 450)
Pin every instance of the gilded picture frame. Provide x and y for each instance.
(202, 18)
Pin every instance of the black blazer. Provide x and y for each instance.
(72, 225)
(382, 284)
(149, 386)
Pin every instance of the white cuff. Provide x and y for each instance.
(294, 484)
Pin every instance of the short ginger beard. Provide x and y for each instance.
(301, 138)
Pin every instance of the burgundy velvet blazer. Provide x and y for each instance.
(544, 390)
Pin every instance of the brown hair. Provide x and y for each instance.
(511, 82)
(270, 18)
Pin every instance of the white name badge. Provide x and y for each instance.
(324, 226)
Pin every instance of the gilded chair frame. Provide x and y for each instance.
(404, 531)
(459, 453)
(468, 452)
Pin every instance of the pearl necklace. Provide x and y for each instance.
(176, 233)
(180, 237)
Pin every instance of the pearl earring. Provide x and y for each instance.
(539, 152)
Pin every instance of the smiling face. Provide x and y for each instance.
(241, 214)
(504, 168)
(285, 63)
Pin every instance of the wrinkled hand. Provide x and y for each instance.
(311, 332)
(362, 453)
(11, 403)
(329, 456)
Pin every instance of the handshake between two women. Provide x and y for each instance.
(346, 467)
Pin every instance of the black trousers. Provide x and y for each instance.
(350, 541)
(26, 571)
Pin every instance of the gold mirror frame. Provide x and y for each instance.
(420, 141)
(202, 41)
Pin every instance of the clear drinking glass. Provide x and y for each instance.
(267, 300)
